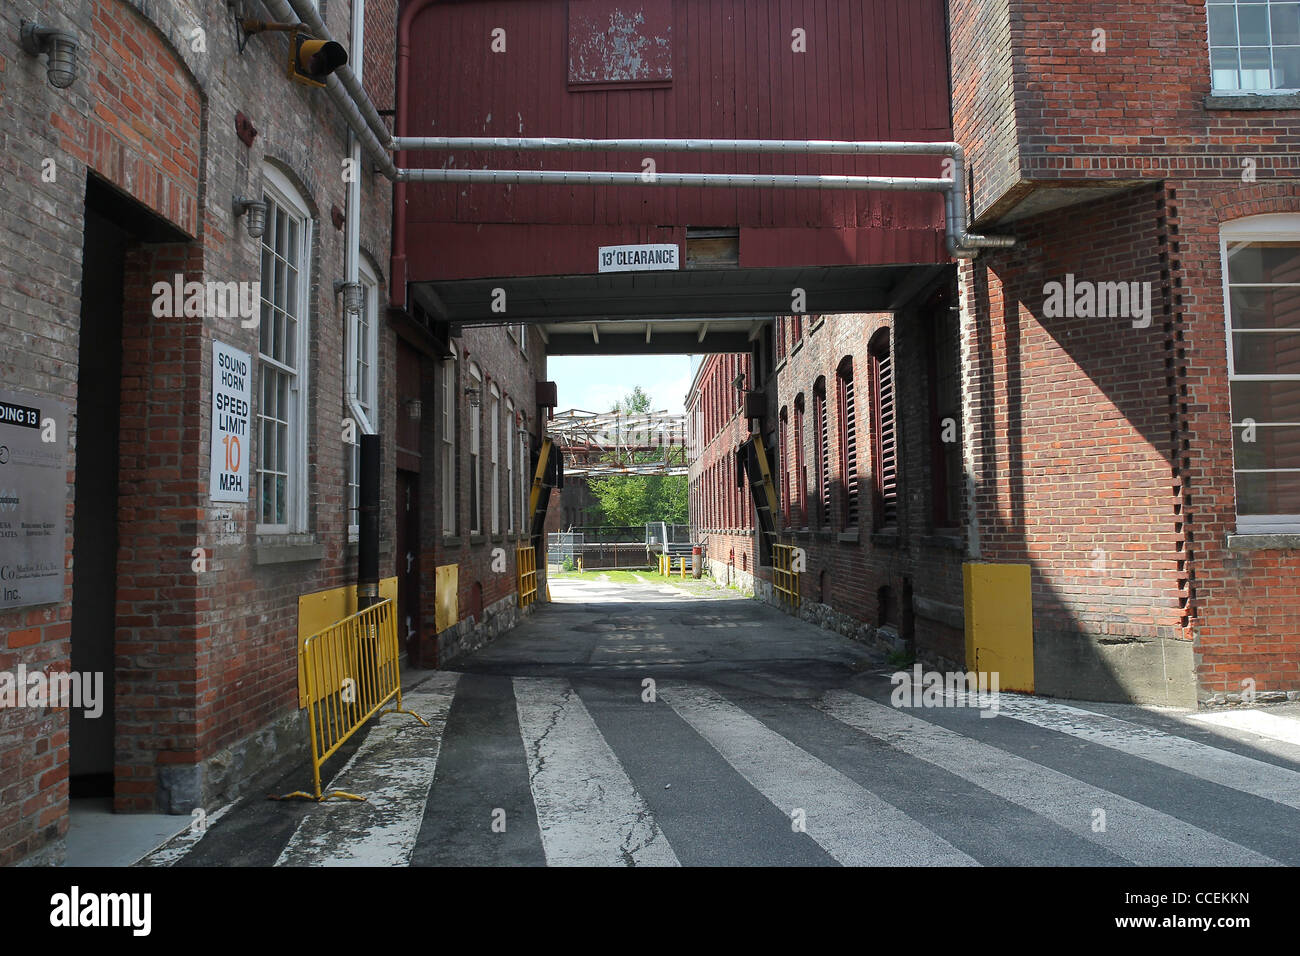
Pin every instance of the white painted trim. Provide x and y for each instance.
(278, 186)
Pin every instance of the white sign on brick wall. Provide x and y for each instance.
(232, 393)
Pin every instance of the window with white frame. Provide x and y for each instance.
(494, 459)
(1261, 257)
(363, 385)
(1254, 45)
(526, 477)
(447, 465)
(510, 467)
(475, 448)
(281, 354)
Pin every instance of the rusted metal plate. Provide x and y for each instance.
(616, 41)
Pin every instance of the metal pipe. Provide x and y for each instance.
(961, 243)
(576, 144)
(347, 76)
(559, 177)
(353, 107)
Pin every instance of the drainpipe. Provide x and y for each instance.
(397, 263)
(343, 88)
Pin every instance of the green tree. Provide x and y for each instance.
(633, 500)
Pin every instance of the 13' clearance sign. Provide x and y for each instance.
(231, 411)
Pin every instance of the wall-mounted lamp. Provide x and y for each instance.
(414, 409)
(256, 209)
(60, 48)
(354, 296)
(475, 395)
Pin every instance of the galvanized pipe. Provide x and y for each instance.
(355, 106)
(561, 177)
(960, 242)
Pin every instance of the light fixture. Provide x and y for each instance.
(414, 409)
(59, 47)
(475, 395)
(354, 297)
(256, 209)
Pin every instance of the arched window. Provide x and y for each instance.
(282, 358)
(1261, 266)
(447, 464)
(800, 471)
(884, 436)
(784, 459)
(822, 443)
(847, 415)
(475, 449)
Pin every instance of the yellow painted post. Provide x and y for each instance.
(1000, 623)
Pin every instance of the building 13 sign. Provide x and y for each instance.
(33, 499)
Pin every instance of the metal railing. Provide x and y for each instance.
(785, 579)
(526, 571)
(349, 671)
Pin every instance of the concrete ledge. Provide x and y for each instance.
(1118, 668)
(287, 553)
(885, 539)
(1253, 101)
(950, 614)
(849, 537)
(1263, 542)
(949, 542)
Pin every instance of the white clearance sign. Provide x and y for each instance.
(232, 393)
(646, 258)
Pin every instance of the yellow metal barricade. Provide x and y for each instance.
(785, 580)
(526, 569)
(349, 671)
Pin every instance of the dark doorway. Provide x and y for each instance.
(94, 549)
(408, 562)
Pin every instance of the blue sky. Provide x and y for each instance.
(595, 383)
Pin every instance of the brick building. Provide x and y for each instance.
(117, 195)
(1125, 384)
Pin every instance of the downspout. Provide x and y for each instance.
(344, 89)
(397, 262)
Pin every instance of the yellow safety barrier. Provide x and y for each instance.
(785, 580)
(349, 671)
(526, 565)
(683, 567)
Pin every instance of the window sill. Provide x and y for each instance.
(287, 549)
(476, 538)
(1253, 101)
(451, 541)
(498, 538)
(780, 365)
(885, 539)
(1283, 541)
(849, 537)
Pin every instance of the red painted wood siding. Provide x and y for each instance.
(874, 69)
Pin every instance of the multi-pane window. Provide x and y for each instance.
(475, 449)
(848, 435)
(447, 464)
(526, 478)
(494, 459)
(363, 384)
(281, 452)
(823, 446)
(784, 464)
(510, 466)
(1262, 257)
(884, 433)
(800, 472)
(1254, 44)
